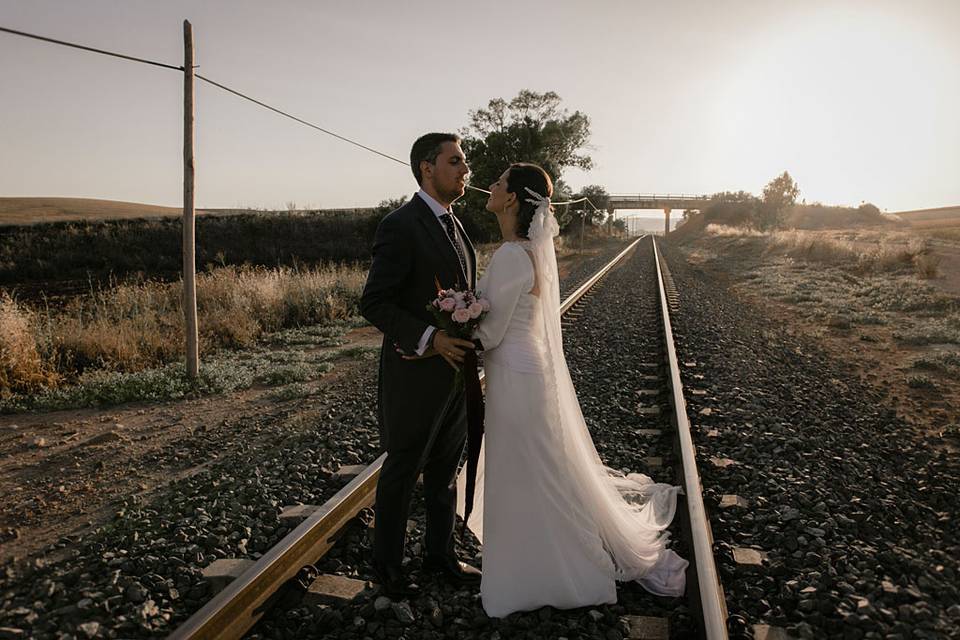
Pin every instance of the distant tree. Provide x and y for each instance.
(600, 199)
(619, 225)
(733, 208)
(532, 127)
(870, 210)
(389, 204)
(779, 194)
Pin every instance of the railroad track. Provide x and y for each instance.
(237, 608)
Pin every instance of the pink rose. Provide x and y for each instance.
(475, 310)
(448, 304)
(484, 303)
(460, 316)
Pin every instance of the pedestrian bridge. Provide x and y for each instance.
(665, 201)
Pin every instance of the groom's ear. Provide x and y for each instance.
(425, 166)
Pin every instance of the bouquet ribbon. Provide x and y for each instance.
(473, 396)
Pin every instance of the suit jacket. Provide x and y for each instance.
(411, 251)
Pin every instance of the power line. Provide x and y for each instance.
(208, 80)
(86, 48)
(301, 121)
(245, 97)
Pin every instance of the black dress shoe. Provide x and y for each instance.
(453, 571)
(393, 583)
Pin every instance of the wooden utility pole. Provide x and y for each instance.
(189, 252)
(583, 221)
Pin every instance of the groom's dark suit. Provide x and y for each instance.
(411, 251)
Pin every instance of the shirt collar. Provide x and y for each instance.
(435, 206)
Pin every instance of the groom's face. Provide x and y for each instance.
(448, 174)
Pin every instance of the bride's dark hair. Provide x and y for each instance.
(533, 177)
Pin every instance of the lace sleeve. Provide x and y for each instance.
(509, 275)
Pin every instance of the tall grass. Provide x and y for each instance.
(863, 251)
(137, 326)
(22, 368)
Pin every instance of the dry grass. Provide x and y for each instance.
(21, 367)
(952, 233)
(866, 252)
(133, 327)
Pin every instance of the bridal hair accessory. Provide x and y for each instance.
(537, 199)
(544, 223)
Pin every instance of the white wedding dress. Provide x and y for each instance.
(557, 527)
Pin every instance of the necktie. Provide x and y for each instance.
(447, 220)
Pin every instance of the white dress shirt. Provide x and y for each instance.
(438, 210)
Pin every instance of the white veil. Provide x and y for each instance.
(629, 511)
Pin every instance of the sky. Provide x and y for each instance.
(858, 100)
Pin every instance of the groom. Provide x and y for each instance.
(422, 418)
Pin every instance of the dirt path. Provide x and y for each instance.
(67, 471)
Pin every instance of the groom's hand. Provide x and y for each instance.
(452, 349)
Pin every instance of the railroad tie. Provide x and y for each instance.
(766, 632)
(293, 515)
(647, 628)
(728, 500)
(221, 572)
(334, 589)
(747, 557)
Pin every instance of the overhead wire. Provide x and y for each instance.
(240, 94)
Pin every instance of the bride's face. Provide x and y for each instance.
(500, 198)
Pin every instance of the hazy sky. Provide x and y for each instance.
(859, 100)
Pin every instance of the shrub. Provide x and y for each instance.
(21, 365)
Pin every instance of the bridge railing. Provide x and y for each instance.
(645, 197)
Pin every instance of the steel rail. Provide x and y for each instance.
(713, 607)
(574, 297)
(235, 609)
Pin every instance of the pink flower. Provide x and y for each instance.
(448, 304)
(460, 316)
(484, 303)
(475, 310)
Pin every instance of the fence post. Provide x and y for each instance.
(189, 252)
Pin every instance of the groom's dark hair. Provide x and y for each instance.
(427, 147)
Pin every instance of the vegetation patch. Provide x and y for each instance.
(920, 382)
(135, 327)
(943, 363)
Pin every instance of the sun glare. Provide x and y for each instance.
(842, 98)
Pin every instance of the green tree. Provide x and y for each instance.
(779, 194)
(733, 208)
(600, 199)
(532, 127)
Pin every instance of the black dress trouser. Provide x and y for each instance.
(410, 452)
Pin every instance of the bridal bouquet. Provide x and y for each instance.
(458, 312)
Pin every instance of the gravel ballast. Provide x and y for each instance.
(610, 360)
(855, 510)
(140, 575)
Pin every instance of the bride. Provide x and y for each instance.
(557, 527)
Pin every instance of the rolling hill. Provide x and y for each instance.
(18, 211)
